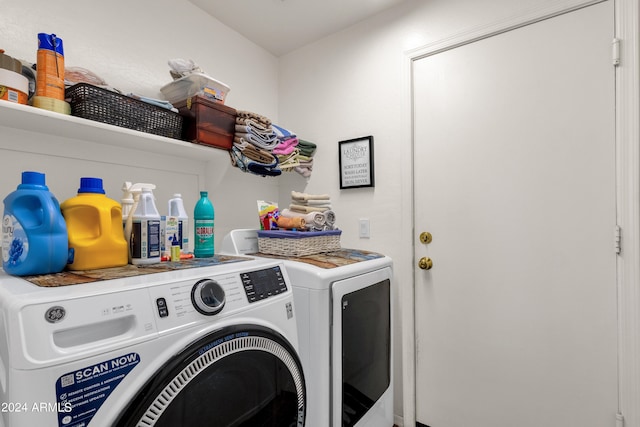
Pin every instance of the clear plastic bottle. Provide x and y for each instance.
(94, 224)
(176, 208)
(203, 218)
(34, 232)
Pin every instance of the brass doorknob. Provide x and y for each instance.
(426, 237)
(425, 263)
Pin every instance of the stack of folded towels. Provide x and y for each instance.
(253, 145)
(266, 149)
(314, 208)
(286, 150)
(294, 154)
(306, 151)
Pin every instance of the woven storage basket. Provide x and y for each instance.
(102, 105)
(298, 243)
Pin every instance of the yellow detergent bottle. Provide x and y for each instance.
(94, 225)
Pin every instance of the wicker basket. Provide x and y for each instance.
(298, 243)
(102, 105)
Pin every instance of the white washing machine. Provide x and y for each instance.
(343, 300)
(208, 345)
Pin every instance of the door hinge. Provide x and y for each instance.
(619, 420)
(615, 51)
(616, 239)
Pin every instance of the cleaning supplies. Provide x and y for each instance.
(94, 225)
(203, 218)
(34, 233)
(176, 209)
(50, 67)
(142, 227)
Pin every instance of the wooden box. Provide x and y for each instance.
(207, 122)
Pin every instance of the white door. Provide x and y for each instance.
(515, 180)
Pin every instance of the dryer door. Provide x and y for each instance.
(361, 351)
(238, 376)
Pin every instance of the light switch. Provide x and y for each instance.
(364, 228)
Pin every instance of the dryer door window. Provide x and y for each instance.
(364, 342)
(235, 377)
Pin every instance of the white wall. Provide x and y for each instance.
(128, 44)
(356, 83)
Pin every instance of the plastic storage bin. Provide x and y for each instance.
(207, 122)
(192, 85)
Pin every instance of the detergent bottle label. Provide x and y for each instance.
(145, 240)
(15, 244)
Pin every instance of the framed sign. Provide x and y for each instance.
(356, 162)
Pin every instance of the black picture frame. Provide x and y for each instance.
(355, 160)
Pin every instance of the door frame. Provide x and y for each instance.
(627, 143)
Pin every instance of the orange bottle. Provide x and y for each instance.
(50, 67)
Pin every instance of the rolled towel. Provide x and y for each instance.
(291, 223)
(312, 219)
(330, 218)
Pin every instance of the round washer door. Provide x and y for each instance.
(238, 376)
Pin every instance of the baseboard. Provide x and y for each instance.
(398, 421)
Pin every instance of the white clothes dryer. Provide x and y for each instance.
(343, 300)
(215, 344)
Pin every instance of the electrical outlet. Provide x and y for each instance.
(364, 228)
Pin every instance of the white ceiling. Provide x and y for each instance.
(281, 26)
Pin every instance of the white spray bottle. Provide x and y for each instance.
(176, 208)
(141, 224)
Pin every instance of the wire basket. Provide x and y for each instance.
(102, 105)
(298, 243)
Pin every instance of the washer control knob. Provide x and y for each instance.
(208, 297)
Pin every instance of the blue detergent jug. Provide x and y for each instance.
(34, 232)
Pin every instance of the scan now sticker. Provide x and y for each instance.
(83, 391)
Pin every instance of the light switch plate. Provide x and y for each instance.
(365, 230)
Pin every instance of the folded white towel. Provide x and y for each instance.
(322, 203)
(307, 209)
(305, 197)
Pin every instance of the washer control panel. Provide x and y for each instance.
(207, 296)
(262, 284)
